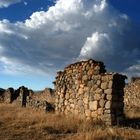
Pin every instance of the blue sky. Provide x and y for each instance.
(129, 7)
(40, 37)
(22, 10)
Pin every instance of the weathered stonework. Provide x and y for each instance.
(27, 98)
(1, 95)
(22, 93)
(43, 100)
(132, 94)
(9, 95)
(84, 89)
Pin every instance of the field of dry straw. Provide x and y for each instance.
(27, 124)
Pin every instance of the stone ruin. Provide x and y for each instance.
(47, 93)
(86, 90)
(27, 98)
(83, 89)
(21, 96)
(42, 100)
(9, 95)
(132, 94)
(1, 94)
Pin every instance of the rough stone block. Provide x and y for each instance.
(102, 103)
(68, 107)
(61, 100)
(56, 100)
(85, 78)
(100, 111)
(107, 111)
(72, 105)
(80, 102)
(108, 105)
(99, 91)
(94, 114)
(71, 100)
(90, 72)
(93, 105)
(108, 91)
(88, 113)
(109, 97)
(80, 91)
(110, 84)
(85, 100)
(98, 82)
(65, 102)
(97, 97)
(67, 96)
(104, 85)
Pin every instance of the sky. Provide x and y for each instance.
(40, 37)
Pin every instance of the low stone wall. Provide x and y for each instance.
(43, 100)
(132, 94)
(84, 89)
(40, 104)
(46, 94)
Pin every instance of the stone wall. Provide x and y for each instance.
(8, 95)
(27, 98)
(42, 100)
(47, 94)
(1, 94)
(22, 94)
(84, 89)
(132, 94)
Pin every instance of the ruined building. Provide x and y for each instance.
(24, 97)
(86, 90)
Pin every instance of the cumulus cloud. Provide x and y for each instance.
(70, 30)
(6, 3)
(96, 46)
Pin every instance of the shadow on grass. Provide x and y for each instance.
(132, 122)
(1, 123)
(110, 138)
(51, 130)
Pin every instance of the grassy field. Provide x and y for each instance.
(27, 124)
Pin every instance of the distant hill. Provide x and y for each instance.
(2, 90)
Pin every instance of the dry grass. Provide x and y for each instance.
(27, 124)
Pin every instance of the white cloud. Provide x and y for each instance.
(6, 3)
(4, 28)
(58, 14)
(96, 46)
(70, 30)
(100, 7)
(25, 3)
